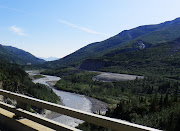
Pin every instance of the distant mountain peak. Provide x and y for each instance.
(51, 58)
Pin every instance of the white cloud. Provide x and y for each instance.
(82, 28)
(11, 9)
(17, 30)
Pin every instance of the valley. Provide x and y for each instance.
(133, 76)
(149, 54)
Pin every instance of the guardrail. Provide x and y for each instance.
(110, 123)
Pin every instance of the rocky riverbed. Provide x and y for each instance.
(72, 100)
(110, 77)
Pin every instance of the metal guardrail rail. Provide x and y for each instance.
(110, 123)
(31, 116)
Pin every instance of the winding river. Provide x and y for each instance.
(72, 100)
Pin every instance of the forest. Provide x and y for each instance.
(153, 101)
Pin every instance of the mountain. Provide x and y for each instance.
(18, 56)
(49, 58)
(128, 40)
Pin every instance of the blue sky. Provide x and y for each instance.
(59, 27)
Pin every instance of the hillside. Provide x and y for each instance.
(162, 59)
(149, 34)
(13, 78)
(18, 56)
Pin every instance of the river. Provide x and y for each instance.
(72, 100)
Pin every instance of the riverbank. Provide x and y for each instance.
(51, 114)
(97, 105)
(46, 113)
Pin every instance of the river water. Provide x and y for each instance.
(72, 100)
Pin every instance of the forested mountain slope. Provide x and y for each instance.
(161, 59)
(18, 56)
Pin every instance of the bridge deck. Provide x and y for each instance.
(6, 118)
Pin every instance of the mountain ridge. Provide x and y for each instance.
(151, 34)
